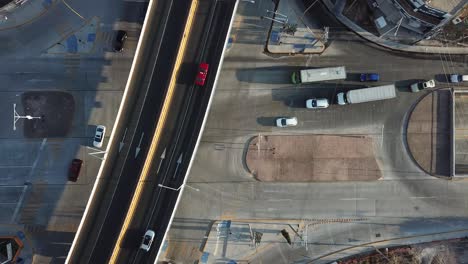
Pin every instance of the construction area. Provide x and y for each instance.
(453, 251)
(310, 158)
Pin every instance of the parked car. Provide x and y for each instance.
(416, 87)
(315, 103)
(202, 72)
(74, 170)
(147, 240)
(120, 40)
(99, 136)
(286, 121)
(369, 77)
(456, 78)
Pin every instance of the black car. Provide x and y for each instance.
(120, 40)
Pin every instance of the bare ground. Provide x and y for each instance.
(309, 158)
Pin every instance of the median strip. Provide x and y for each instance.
(157, 135)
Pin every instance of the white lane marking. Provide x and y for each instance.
(33, 167)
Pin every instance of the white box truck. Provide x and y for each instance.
(318, 75)
(367, 95)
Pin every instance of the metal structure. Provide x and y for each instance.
(17, 117)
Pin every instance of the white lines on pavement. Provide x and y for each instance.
(362, 199)
(19, 204)
(15, 166)
(39, 80)
(33, 167)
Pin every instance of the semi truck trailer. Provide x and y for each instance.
(367, 95)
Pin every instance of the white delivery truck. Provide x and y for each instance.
(367, 95)
(318, 75)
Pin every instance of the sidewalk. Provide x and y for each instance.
(14, 15)
(303, 41)
(79, 42)
(337, 9)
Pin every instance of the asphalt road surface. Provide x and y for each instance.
(101, 231)
(205, 44)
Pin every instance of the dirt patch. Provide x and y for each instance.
(55, 109)
(428, 133)
(310, 158)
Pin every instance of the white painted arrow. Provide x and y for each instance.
(121, 144)
(179, 161)
(139, 144)
(163, 156)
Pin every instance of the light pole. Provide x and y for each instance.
(17, 117)
(174, 189)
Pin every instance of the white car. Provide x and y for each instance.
(317, 103)
(286, 121)
(416, 87)
(147, 240)
(456, 78)
(99, 136)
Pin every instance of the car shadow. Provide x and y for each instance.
(442, 78)
(267, 121)
(268, 75)
(404, 85)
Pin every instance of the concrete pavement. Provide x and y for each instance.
(49, 210)
(254, 85)
(320, 241)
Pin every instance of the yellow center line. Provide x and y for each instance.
(157, 135)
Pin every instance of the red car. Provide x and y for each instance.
(74, 170)
(202, 72)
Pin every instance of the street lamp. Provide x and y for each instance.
(250, 1)
(17, 117)
(174, 189)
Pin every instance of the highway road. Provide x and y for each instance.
(206, 43)
(141, 114)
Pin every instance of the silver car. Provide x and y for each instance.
(99, 136)
(315, 103)
(416, 87)
(286, 121)
(147, 240)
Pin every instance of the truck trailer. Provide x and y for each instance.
(317, 75)
(367, 95)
